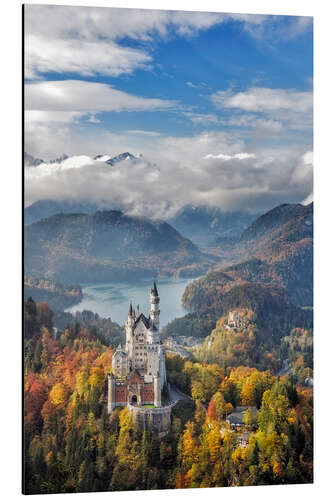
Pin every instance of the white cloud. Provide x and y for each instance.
(148, 133)
(271, 28)
(202, 118)
(86, 40)
(93, 119)
(41, 116)
(212, 165)
(268, 109)
(304, 169)
(250, 121)
(68, 100)
(85, 57)
(260, 99)
(308, 199)
(215, 167)
(237, 156)
(114, 23)
(308, 158)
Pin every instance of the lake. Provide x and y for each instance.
(111, 300)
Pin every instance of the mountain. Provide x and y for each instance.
(283, 218)
(79, 160)
(272, 275)
(276, 248)
(199, 224)
(116, 159)
(31, 161)
(60, 159)
(122, 157)
(279, 230)
(108, 245)
(203, 224)
(46, 208)
(273, 231)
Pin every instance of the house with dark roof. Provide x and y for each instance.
(236, 418)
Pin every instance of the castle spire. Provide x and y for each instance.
(130, 312)
(154, 309)
(154, 290)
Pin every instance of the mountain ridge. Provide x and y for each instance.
(277, 247)
(31, 161)
(108, 245)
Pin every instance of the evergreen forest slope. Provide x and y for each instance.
(276, 248)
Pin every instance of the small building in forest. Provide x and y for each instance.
(236, 418)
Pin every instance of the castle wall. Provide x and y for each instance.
(157, 391)
(153, 361)
(147, 394)
(139, 352)
(123, 391)
(121, 395)
(159, 418)
(120, 363)
(162, 368)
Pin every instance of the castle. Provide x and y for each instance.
(138, 375)
(234, 319)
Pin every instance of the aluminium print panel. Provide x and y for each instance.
(168, 249)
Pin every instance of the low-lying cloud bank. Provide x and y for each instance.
(226, 177)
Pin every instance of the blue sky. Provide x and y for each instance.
(176, 87)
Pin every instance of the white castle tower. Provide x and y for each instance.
(154, 307)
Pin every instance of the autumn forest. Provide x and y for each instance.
(72, 445)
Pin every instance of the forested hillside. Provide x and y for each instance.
(46, 208)
(71, 445)
(274, 282)
(259, 371)
(108, 246)
(216, 294)
(276, 248)
(266, 345)
(57, 295)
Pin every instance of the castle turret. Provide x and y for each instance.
(157, 391)
(120, 362)
(129, 328)
(154, 307)
(161, 368)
